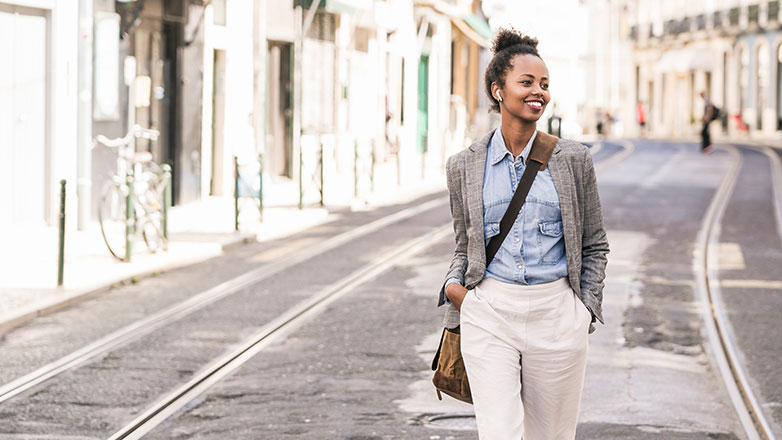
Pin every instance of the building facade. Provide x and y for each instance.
(391, 81)
(730, 49)
(38, 105)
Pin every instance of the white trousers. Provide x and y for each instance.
(525, 350)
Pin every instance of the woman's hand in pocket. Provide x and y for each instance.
(456, 293)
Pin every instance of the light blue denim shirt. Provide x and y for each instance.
(534, 250)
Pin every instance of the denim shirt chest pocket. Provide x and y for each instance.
(547, 229)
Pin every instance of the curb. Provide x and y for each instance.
(78, 295)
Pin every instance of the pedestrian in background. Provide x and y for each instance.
(710, 113)
(524, 316)
(641, 115)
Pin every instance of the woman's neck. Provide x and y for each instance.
(516, 134)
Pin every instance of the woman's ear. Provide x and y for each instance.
(495, 91)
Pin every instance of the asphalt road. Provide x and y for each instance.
(360, 369)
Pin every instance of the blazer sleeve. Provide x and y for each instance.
(594, 244)
(459, 260)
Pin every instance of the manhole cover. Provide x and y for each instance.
(460, 421)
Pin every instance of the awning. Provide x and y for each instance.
(475, 28)
(470, 33)
(480, 25)
(340, 6)
(686, 60)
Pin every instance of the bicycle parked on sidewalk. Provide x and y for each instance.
(132, 199)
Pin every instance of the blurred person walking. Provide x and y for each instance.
(710, 113)
(524, 316)
(641, 116)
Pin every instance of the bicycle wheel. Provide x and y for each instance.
(111, 216)
(152, 231)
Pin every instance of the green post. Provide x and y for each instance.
(355, 168)
(322, 196)
(129, 224)
(236, 194)
(61, 250)
(166, 197)
(260, 186)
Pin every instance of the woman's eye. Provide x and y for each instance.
(544, 86)
(526, 82)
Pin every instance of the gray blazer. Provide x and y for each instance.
(586, 245)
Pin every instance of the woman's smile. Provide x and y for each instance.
(535, 104)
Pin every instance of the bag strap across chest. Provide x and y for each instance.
(542, 148)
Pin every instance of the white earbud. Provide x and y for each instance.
(499, 98)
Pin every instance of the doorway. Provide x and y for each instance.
(762, 67)
(279, 135)
(24, 168)
(218, 125)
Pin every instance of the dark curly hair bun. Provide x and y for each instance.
(511, 37)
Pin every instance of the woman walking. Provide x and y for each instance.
(525, 316)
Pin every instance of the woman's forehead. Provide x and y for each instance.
(527, 63)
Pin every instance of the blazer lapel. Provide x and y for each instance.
(475, 167)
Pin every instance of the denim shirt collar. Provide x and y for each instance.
(498, 150)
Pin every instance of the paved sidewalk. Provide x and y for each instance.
(198, 231)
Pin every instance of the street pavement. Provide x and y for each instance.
(359, 369)
(751, 280)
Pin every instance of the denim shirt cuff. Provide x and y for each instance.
(451, 280)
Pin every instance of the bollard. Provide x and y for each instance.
(301, 177)
(129, 223)
(260, 186)
(322, 196)
(61, 247)
(355, 168)
(398, 169)
(236, 194)
(372, 169)
(166, 198)
(423, 165)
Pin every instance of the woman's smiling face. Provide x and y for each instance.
(526, 93)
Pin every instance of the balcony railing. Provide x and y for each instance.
(753, 13)
(733, 16)
(717, 19)
(724, 21)
(700, 22)
(773, 10)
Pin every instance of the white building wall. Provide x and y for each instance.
(59, 112)
(236, 39)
